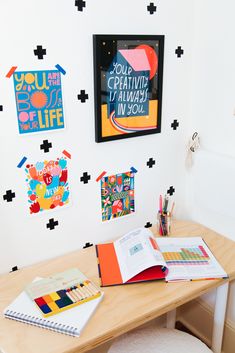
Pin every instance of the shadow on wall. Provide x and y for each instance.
(212, 188)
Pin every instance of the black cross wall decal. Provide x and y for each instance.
(39, 52)
(87, 245)
(82, 96)
(171, 191)
(85, 178)
(46, 146)
(80, 4)
(151, 8)
(175, 124)
(14, 268)
(150, 162)
(52, 223)
(179, 51)
(9, 196)
(148, 225)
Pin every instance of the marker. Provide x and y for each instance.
(166, 199)
(168, 223)
(160, 203)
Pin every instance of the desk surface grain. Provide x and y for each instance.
(123, 307)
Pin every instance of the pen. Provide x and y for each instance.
(168, 223)
(160, 203)
(166, 199)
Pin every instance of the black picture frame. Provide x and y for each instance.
(128, 78)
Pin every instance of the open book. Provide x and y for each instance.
(139, 256)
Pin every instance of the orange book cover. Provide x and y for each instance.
(109, 270)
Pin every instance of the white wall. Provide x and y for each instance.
(67, 36)
(211, 191)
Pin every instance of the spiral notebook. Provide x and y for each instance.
(70, 322)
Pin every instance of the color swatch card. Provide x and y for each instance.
(62, 291)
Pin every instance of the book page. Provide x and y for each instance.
(189, 258)
(136, 251)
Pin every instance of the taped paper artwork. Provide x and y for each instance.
(38, 101)
(117, 195)
(47, 185)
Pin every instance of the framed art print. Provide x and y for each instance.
(128, 74)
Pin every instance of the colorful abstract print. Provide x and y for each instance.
(117, 195)
(38, 100)
(47, 185)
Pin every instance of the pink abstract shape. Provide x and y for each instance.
(137, 58)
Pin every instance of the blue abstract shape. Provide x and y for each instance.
(33, 183)
(39, 165)
(62, 163)
(65, 196)
(54, 183)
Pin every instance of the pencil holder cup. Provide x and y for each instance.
(164, 223)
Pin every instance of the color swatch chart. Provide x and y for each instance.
(61, 291)
(187, 256)
(64, 299)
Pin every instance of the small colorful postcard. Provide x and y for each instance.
(117, 195)
(47, 183)
(38, 98)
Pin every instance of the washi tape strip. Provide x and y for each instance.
(60, 68)
(101, 176)
(67, 154)
(11, 72)
(133, 170)
(22, 162)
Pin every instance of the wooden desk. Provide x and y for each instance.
(123, 308)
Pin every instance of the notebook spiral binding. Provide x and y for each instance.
(41, 322)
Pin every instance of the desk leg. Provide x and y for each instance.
(219, 317)
(170, 319)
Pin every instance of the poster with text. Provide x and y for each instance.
(117, 195)
(47, 184)
(39, 102)
(128, 85)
